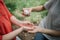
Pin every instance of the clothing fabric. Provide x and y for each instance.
(52, 21)
(5, 24)
(17, 38)
(40, 36)
(53, 17)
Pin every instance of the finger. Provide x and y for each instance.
(31, 24)
(31, 32)
(28, 28)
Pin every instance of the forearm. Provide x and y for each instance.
(11, 35)
(14, 20)
(38, 8)
(50, 32)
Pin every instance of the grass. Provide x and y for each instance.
(15, 6)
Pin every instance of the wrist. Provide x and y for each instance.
(21, 28)
(41, 30)
(38, 30)
(32, 9)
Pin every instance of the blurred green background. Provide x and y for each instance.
(15, 7)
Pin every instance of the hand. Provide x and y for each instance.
(27, 11)
(27, 23)
(26, 28)
(35, 30)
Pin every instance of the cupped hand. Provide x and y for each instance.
(28, 28)
(27, 23)
(36, 29)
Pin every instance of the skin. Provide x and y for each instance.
(17, 31)
(42, 30)
(23, 26)
(35, 29)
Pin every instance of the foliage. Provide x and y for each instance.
(15, 6)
